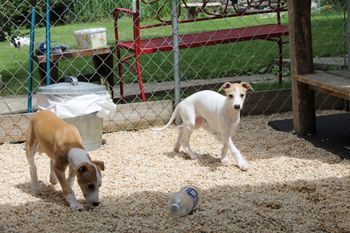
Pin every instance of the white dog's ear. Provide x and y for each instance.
(225, 86)
(99, 164)
(247, 86)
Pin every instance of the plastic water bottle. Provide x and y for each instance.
(185, 201)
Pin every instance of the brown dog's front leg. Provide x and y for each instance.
(67, 190)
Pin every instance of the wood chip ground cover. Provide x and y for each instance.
(291, 186)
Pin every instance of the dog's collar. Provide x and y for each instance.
(77, 156)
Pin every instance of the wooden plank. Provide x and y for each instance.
(74, 53)
(299, 21)
(333, 83)
(342, 73)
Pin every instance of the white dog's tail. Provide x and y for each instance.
(172, 118)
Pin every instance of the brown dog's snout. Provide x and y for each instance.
(237, 106)
(95, 203)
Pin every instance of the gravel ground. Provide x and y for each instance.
(291, 186)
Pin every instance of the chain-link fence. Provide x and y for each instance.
(145, 67)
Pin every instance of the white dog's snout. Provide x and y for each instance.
(237, 106)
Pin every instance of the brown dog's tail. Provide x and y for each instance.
(172, 118)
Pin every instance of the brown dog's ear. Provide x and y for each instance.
(99, 164)
(225, 86)
(247, 86)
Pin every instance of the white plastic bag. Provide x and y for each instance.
(67, 106)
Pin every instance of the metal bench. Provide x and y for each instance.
(138, 46)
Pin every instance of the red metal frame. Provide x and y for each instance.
(138, 46)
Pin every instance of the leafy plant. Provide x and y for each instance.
(285, 71)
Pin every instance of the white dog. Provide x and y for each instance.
(222, 114)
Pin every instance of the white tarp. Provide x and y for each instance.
(67, 106)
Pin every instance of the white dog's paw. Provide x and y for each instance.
(225, 161)
(243, 165)
(176, 149)
(76, 206)
(53, 179)
(35, 188)
(192, 155)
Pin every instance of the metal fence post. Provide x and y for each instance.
(175, 36)
(48, 43)
(31, 57)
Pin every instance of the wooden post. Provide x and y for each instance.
(300, 41)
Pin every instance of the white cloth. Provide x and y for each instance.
(67, 106)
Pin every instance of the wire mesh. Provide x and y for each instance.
(204, 66)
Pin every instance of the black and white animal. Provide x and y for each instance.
(19, 41)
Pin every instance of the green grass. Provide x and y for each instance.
(196, 63)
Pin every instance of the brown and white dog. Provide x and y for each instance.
(62, 143)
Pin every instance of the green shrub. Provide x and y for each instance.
(16, 14)
(12, 13)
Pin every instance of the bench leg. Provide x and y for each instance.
(137, 69)
(139, 77)
(104, 68)
(53, 73)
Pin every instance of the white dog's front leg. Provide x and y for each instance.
(73, 202)
(241, 162)
(235, 129)
(224, 158)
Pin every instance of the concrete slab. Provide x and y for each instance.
(153, 87)
(15, 104)
(321, 63)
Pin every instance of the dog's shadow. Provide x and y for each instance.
(205, 160)
(47, 193)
